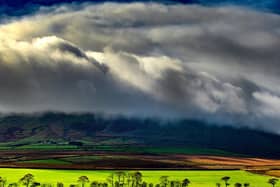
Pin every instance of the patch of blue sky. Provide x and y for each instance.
(24, 7)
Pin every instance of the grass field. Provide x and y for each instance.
(197, 178)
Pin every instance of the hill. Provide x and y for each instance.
(59, 131)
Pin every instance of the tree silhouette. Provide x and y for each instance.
(246, 184)
(27, 179)
(2, 182)
(226, 179)
(238, 184)
(218, 184)
(172, 183)
(144, 184)
(121, 175)
(13, 184)
(136, 178)
(83, 180)
(35, 184)
(176, 183)
(128, 179)
(273, 181)
(110, 179)
(164, 181)
(94, 184)
(186, 182)
(46, 185)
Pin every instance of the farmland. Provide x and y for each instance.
(68, 159)
(201, 178)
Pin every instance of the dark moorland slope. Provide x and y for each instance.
(90, 132)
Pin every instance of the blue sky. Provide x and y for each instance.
(22, 7)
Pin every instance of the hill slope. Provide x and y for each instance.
(94, 132)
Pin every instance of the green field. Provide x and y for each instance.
(198, 178)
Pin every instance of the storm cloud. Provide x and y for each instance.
(147, 59)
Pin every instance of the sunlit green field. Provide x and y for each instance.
(197, 178)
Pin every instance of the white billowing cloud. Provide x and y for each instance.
(168, 81)
(269, 104)
(218, 63)
(214, 95)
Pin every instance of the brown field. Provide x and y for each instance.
(105, 160)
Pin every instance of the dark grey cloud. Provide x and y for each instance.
(144, 59)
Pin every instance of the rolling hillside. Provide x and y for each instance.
(52, 131)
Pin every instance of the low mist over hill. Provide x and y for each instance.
(96, 132)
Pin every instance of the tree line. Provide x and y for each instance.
(121, 179)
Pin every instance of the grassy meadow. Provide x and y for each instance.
(205, 178)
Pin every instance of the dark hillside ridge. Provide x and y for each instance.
(76, 128)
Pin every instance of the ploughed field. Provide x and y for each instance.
(202, 178)
(104, 160)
